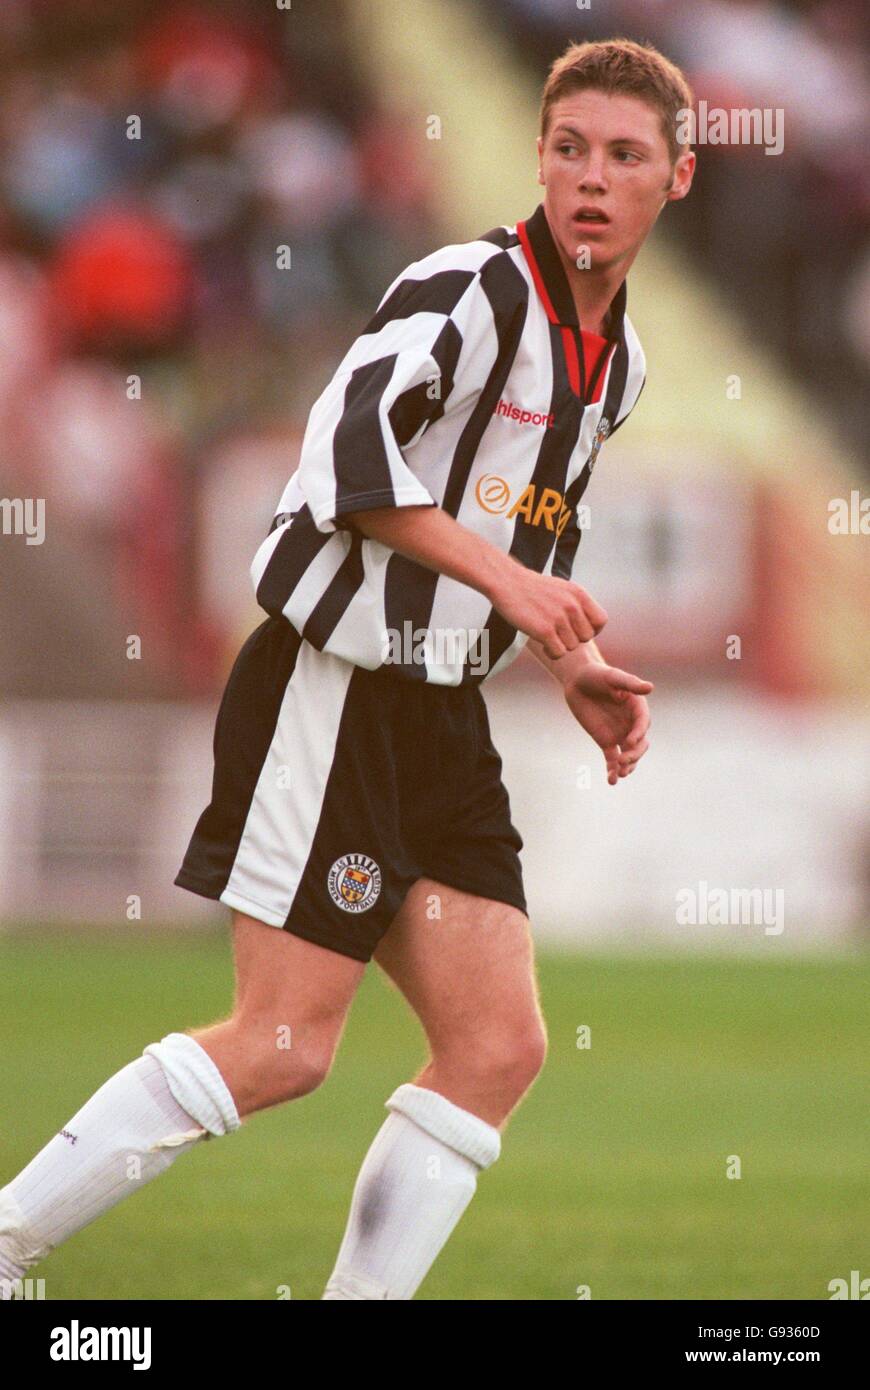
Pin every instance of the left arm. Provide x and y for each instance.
(608, 703)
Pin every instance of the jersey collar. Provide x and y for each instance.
(550, 279)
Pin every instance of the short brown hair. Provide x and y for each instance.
(625, 67)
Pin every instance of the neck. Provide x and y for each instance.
(592, 290)
(593, 293)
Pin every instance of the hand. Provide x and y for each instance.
(610, 705)
(555, 612)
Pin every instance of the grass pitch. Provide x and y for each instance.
(613, 1171)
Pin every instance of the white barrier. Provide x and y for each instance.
(97, 802)
(735, 793)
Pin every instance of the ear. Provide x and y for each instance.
(681, 182)
(540, 146)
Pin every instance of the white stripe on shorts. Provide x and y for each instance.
(286, 805)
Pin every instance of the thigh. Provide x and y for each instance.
(292, 998)
(282, 978)
(465, 964)
(302, 832)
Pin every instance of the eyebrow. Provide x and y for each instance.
(618, 140)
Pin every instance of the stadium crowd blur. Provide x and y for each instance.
(153, 249)
(158, 353)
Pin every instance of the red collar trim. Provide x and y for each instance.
(536, 273)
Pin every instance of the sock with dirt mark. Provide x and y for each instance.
(415, 1182)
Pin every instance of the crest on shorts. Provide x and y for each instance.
(354, 882)
(601, 434)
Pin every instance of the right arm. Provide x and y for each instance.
(555, 612)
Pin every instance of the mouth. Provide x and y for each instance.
(590, 215)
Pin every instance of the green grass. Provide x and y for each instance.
(612, 1172)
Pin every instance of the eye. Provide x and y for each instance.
(627, 154)
(563, 148)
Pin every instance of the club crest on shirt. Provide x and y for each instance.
(354, 882)
(600, 435)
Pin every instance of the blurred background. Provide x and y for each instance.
(157, 366)
(156, 370)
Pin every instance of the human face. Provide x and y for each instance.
(607, 170)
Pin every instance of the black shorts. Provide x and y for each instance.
(336, 788)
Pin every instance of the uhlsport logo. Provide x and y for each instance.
(354, 882)
(536, 506)
(518, 413)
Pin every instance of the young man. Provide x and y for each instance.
(357, 809)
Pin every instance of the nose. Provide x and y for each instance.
(592, 177)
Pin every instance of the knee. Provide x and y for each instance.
(282, 1068)
(527, 1054)
(510, 1059)
(300, 1075)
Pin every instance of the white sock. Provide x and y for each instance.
(415, 1182)
(130, 1130)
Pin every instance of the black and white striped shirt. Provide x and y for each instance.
(472, 388)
